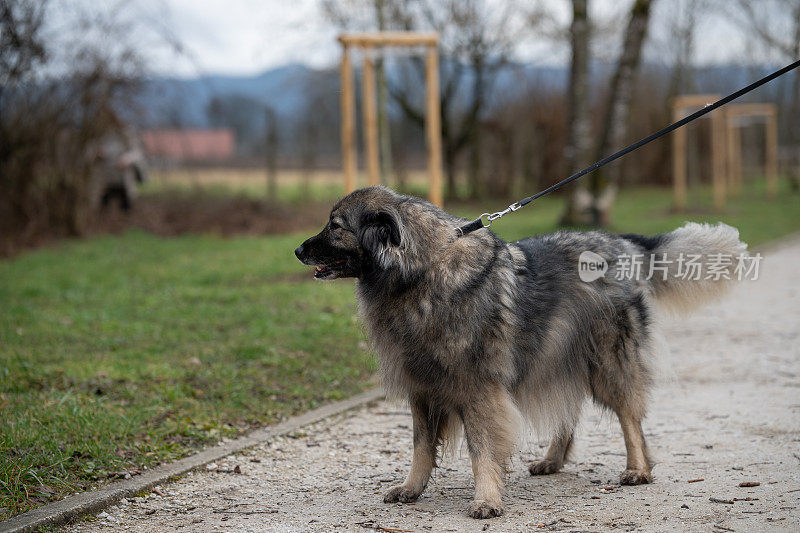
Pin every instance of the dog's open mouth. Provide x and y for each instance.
(327, 271)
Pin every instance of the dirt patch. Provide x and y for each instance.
(176, 214)
(170, 214)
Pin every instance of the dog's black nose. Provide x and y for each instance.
(298, 251)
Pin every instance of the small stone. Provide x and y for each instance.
(211, 467)
(684, 506)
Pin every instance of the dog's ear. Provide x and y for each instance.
(379, 230)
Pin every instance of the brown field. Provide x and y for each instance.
(292, 184)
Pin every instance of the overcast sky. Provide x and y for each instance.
(247, 37)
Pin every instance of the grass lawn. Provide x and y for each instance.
(120, 352)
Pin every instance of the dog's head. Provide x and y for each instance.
(363, 233)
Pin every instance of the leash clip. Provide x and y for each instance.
(491, 217)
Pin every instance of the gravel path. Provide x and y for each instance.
(729, 414)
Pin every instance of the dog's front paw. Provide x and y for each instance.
(635, 477)
(401, 494)
(543, 467)
(485, 509)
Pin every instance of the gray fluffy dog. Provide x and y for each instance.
(485, 335)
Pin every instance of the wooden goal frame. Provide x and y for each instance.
(433, 128)
(681, 106)
(726, 154)
(770, 113)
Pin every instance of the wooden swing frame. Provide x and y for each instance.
(769, 112)
(726, 158)
(433, 128)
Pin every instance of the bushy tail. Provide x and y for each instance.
(701, 265)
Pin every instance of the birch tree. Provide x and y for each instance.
(592, 207)
(606, 180)
(579, 138)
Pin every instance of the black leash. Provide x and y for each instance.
(491, 217)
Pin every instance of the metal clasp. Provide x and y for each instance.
(491, 217)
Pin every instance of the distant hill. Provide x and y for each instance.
(184, 102)
(176, 102)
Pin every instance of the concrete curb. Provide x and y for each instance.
(73, 507)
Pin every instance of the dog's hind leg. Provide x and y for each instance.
(638, 467)
(620, 380)
(490, 427)
(556, 454)
(627, 398)
(429, 427)
(629, 405)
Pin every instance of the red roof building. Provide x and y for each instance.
(189, 145)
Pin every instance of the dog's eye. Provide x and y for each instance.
(334, 225)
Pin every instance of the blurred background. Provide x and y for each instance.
(146, 101)
(160, 160)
